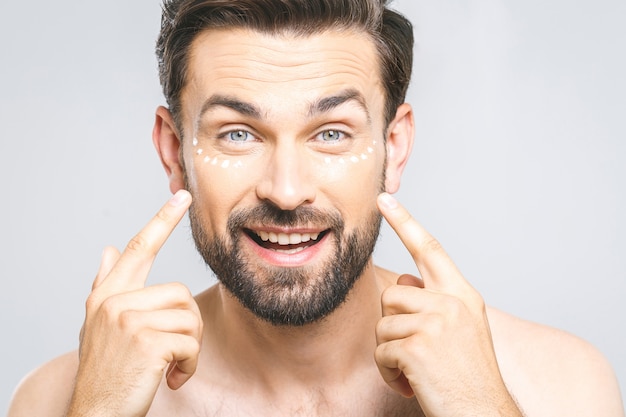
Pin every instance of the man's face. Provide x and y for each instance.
(284, 154)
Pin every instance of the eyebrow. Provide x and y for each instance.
(218, 100)
(323, 105)
(327, 104)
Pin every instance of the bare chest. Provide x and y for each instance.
(381, 402)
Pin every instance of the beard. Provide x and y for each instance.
(288, 296)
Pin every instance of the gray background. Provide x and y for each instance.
(517, 167)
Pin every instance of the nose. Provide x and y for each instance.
(287, 182)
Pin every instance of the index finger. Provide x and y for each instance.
(131, 270)
(435, 266)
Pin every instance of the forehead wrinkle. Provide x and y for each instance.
(262, 63)
(243, 63)
(276, 72)
(289, 52)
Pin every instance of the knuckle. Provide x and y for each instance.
(454, 310)
(127, 321)
(454, 306)
(180, 291)
(386, 296)
(163, 215)
(413, 346)
(199, 325)
(183, 347)
(190, 324)
(432, 327)
(381, 353)
(92, 302)
(390, 298)
(381, 330)
(476, 301)
(194, 347)
(197, 334)
(138, 244)
(380, 327)
(404, 217)
(109, 308)
(430, 244)
(81, 334)
(144, 341)
(181, 296)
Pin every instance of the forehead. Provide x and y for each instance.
(285, 68)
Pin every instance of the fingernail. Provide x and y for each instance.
(388, 201)
(179, 198)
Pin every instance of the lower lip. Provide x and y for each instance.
(283, 259)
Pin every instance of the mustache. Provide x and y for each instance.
(268, 214)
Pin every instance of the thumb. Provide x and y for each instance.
(110, 256)
(410, 280)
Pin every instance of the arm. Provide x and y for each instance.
(47, 390)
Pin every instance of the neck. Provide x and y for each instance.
(331, 348)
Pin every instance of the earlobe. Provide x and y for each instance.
(167, 143)
(399, 145)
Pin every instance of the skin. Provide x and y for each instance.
(398, 346)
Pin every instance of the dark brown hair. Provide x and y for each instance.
(182, 20)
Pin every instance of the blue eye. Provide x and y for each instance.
(239, 135)
(331, 135)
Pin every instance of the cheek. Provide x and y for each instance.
(352, 184)
(218, 185)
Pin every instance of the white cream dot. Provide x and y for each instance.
(226, 163)
(370, 149)
(199, 151)
(363, 156)
(207, 159)
(354, 159)
(195, 142)
(341, 161)
(238, 164)
(327, 160)
(214, 161)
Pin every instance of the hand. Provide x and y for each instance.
(133, 333)
(434, 339)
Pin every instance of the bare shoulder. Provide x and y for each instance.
(551, 372)
(47, 390)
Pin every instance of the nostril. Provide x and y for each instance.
(287, 185)
(286, 200)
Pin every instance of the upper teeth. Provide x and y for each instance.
(287, 239)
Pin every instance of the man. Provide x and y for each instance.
(286, 124)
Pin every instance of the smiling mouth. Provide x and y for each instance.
(288, 243)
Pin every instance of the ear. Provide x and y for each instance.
(167, 143)
(399, 144)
